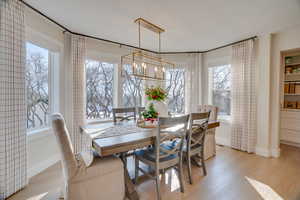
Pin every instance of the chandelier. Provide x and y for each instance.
(143, 65)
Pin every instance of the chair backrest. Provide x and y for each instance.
(127, 114)
(213, 111)
(61, 133)
(197, 129)
(168, 127)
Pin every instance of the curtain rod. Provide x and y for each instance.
(127, 45)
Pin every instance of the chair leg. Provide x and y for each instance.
(157, 185)
(189, 168)
(180, 175)
(136, 169)
(203, 163)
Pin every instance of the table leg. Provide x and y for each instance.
(131, 193)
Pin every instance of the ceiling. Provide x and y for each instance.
(191, 25)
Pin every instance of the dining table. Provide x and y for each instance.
(111, 138)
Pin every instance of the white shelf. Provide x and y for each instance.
(292, 77)
(291, 94)
(290, 110)
(292, 64)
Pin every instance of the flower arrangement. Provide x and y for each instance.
(151, 114)
(156, 93)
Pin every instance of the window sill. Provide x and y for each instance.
(37, 134)
(224, 119)
(97, 121)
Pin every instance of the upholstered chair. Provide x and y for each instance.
(210, 140)
(103, 179)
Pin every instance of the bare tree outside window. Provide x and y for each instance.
(133, 90)
(175, 89)
(99, 89)
(37, 86)
(220, 88)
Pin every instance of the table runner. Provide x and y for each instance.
(117, 130)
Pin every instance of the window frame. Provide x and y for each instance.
(55, 49)
(114, 88)
(184, 88)
(223, 118)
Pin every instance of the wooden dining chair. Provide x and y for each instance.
(161, 156)
(140, 110)
(195, 141)
(127, 114)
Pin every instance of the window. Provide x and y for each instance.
(37, 86)
(219, 88)
(99, 89)
(133, 91)
(175, 89)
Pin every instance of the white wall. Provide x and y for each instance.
(281, 41)
(41, 146)
(268, 87)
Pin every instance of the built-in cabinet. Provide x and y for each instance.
(290, 97)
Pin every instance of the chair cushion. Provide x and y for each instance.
(172, 144)
(149, 154)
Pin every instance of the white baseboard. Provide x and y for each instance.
(43, 165)
(265, 152)
(295, 144)
(275, 152)
(223, 141)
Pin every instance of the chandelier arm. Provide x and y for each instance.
(139, 34)
(159, 43)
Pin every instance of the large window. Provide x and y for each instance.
(175, 89)
(132, 89)
(37, 87)
(219, 88)
(99, 89)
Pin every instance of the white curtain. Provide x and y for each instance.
(243, 135)
(13, 157)
(192, 82)
(75, 95)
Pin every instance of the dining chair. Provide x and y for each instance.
(127, 114)
(140, 110)
(195, 141)
(161, 156)
(210, 140)
(103, 179)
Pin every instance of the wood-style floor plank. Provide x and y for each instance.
(229, 177)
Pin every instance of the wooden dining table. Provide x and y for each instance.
(123, 143)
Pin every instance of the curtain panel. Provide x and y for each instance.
(75, 94)
(13, 157)
(78, 56)
(243, 135)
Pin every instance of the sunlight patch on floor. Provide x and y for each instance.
(265, 191)
(38, 197)
(174, 181)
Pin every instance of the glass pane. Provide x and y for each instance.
(175, 90)
(221, 86)
(37, 86)
(99, 89)
(133, 90)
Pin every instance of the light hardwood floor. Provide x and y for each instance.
(232, 175)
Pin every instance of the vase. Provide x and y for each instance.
(160, 107)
